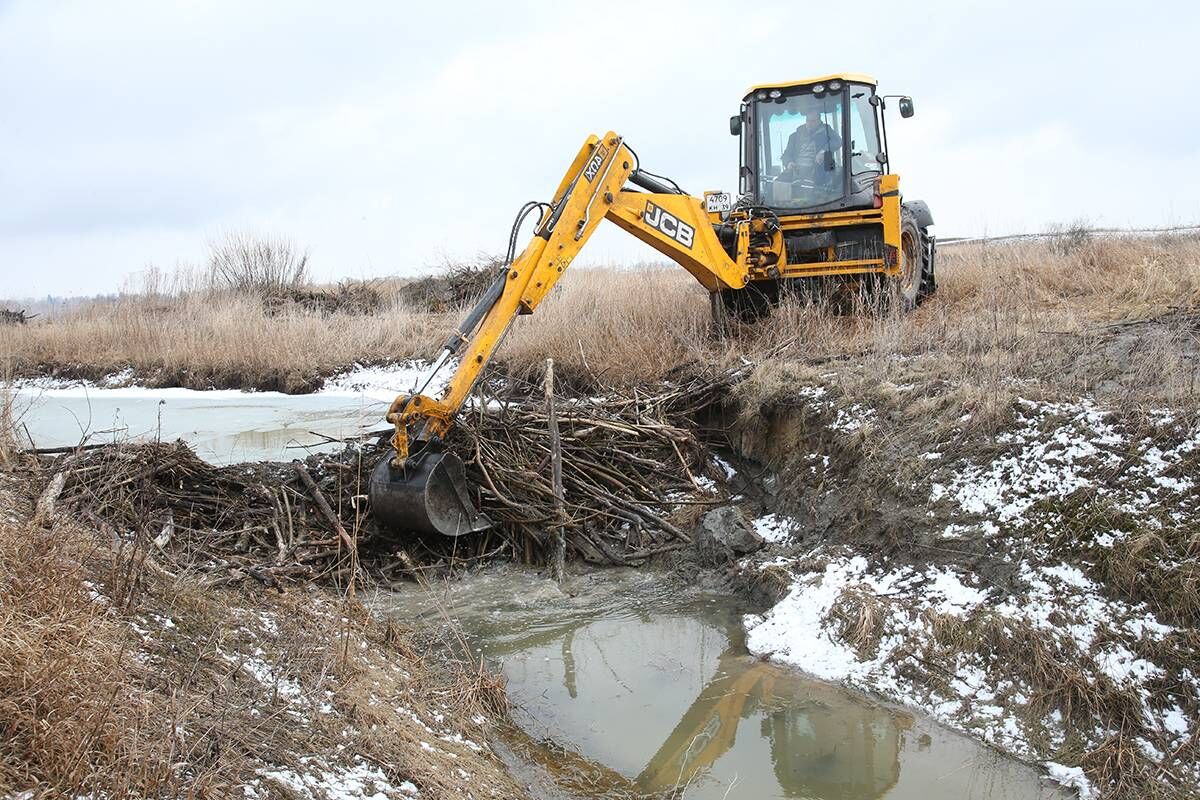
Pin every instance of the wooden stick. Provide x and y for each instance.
(556, 476)
(322, 504)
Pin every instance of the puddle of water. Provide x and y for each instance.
(655, 687)
(224, 427)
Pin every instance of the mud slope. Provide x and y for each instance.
(1025, 567)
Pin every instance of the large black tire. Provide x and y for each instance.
(928, 278)
(916, 280)
(751, 303)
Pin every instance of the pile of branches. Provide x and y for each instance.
(635, 475)
(10, 317)
(456, 286)
(274, 523)
(347, 297)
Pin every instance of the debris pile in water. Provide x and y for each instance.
(634, 473)
(270, 522)
(633, 468)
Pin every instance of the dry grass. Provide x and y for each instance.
(614, 327)
(118, 678)
(263, 266)
(203, 340)
(1114, 319)
(65, 720)
(1033, 311)
(9, 447)
(857, 616)
(1055, 676)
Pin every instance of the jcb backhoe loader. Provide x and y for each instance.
(817, 201)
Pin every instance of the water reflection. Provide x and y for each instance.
(819, 746)
(658, 692)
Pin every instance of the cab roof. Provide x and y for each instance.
(850, 77)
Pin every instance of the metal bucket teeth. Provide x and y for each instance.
(430, 495)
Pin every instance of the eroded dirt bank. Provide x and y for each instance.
(1021, 565)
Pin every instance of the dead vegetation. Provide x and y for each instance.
(1108, 314)
(452, 288)
(256, 265)
(119, 677)
(857, 616)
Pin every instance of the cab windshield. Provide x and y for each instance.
(800, 154)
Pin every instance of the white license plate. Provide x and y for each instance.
(715, 202)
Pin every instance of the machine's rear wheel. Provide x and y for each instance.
(751, 303)
(916, 280)
(912, 262)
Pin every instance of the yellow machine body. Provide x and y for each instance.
(726, 247)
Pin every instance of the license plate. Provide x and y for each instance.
(715, 202)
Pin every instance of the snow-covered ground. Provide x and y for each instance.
(377, 382)
(384, 382)
(917, 633)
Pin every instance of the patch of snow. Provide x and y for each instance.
(726, 467)
(1057, 449)
(268, 676)
(386, 381)
(853, 418)
(1071, 778)
(793, 631)
(773, 528)
(317, 780)
(1124, 667)
(118, 379)
(1176, 722)
(949, 594)
(458, 738)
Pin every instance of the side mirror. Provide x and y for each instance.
(906, 107)
(735, 125)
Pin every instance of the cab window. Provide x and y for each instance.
(800, 154)
(864, 135)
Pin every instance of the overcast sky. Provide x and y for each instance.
(386, 137)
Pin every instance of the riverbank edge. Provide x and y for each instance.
(121, 677)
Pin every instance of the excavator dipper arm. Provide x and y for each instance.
(421, 487)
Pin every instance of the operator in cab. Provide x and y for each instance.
(804, 156)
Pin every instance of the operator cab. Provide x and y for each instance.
(813, 146)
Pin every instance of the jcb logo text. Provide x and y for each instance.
(669, 224)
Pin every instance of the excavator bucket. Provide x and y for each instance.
(429, 495)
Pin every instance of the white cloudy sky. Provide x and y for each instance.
(388, 136)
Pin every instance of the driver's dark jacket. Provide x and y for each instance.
(806, 142)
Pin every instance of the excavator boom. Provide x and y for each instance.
(422, 487)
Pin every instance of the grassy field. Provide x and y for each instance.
(1052, 312)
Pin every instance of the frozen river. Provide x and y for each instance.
(223, 426)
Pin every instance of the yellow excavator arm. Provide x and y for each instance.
(421, 486)
(594, 188)
(839, 220)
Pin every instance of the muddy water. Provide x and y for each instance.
(653, 687)
(223, 427)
